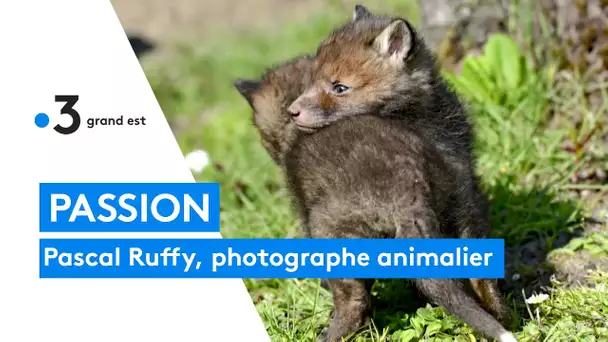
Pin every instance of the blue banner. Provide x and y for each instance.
(271, 258)
(129, 207)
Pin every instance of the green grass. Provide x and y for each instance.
(521, 163)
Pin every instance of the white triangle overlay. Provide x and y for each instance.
(79, 47)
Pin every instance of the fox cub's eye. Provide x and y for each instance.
(340, 88)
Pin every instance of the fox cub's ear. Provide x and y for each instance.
(247, 88)
(396, 41)
(361, 12)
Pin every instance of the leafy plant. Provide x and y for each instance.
(501, 76)
(430, 324)
(509, 100)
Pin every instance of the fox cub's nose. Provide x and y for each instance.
(294, 110)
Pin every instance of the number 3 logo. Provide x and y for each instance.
(68, 108)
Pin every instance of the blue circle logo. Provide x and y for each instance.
(41, 120)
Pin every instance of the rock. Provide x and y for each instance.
(452, 28)
(437, 18)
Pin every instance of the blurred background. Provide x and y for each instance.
(535, 77)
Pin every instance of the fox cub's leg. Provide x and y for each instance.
(352, 307)
(449, 293)
(475, 223)
(492, 299)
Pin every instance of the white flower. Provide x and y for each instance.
(197, 160)
(537, 299)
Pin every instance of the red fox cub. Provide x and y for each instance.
(379, 65)
(365, 177)
(269, 98)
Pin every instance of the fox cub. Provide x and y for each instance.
(379, 65)
(362, 176)
(270, 96)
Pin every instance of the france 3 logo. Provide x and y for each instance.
(42, 120)
(69, 101)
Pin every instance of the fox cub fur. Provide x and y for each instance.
(390, 156)
(379, 65)
(363, 177)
